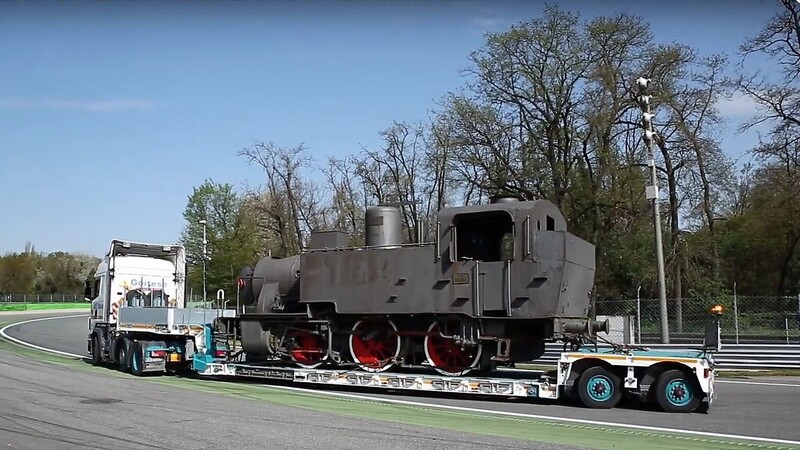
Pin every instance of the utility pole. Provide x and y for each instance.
(205, 253)
(651, 192)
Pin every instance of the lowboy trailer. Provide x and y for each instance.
(674, 381)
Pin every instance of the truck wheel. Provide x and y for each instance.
(599, 388)
(137, 359)
(675, 393)
(97, 358)
(123, 355)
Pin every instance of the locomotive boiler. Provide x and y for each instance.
(497, 282)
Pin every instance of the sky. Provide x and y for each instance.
(111, 112)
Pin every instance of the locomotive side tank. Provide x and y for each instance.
(498, 281)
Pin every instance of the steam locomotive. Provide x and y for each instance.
(497, 282)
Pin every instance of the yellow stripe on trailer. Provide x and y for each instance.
(631, 358)
(665, 358)
(598, 356)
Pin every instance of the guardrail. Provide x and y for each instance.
(731, 357)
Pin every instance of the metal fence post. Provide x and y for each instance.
(786, 321)
(735, 313)
(639, 315)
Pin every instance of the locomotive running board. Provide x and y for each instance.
(506, 387)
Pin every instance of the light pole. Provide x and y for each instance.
(205, 252)
(651, 192)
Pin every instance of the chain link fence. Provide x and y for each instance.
(746, 319)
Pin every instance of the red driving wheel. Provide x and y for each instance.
(375, 344)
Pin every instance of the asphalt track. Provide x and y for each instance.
(48, 406)
(756, 407)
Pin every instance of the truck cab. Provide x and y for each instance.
(135, 274)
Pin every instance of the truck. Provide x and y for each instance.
(138, 318)
(140, 323)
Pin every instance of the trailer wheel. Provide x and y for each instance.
(97, 358)
(137, 359)
(599, 388)
(675, 393)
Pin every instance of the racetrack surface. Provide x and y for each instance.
(48, 406)
(760, 410)
(44, 406)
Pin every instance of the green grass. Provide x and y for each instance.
(759, 373)
(41, 306)
(535, 430)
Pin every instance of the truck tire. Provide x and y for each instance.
(675, 392)
(599, 388)
(124, 355)
(97, 357)
(137, 359)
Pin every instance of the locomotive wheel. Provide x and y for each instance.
(309, 350)
(447, 356)
(374, 344)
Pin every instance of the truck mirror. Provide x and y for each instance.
(87, 290)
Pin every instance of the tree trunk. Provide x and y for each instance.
(787, 260)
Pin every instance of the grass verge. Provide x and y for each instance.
(759, 373)
(41, 306)
(529, 429)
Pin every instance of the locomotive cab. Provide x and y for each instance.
(510, 261)
(483, 236)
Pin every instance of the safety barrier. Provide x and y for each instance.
(730, 357)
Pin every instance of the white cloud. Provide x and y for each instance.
(738, 106)
(483, 19)
(486, 23)
(101, 106)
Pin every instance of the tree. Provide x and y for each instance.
(550, 113)
(17, 273)
(232, 238)
(769, 207)
(396, 174)
(778, 40)
(289, 206)
(348, 198)
(64, 273)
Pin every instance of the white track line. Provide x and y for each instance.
(447, 407)
(28, 344)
